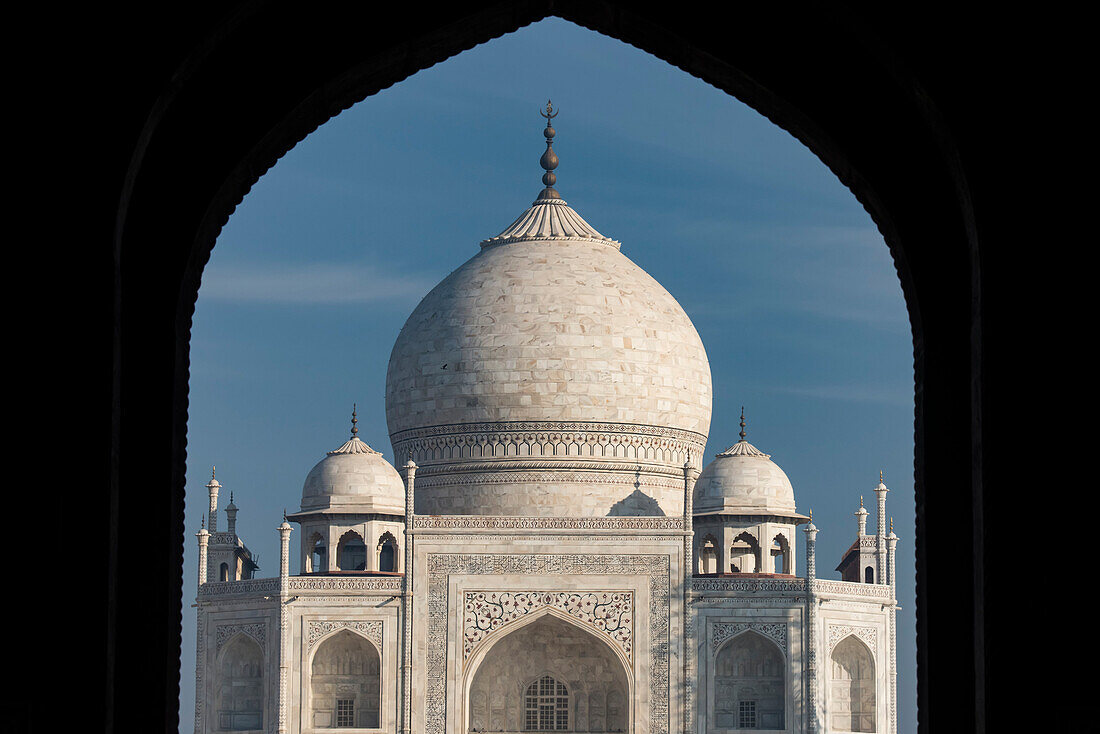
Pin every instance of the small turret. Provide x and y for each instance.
(861, 519)
(231, 516)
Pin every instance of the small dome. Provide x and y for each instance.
(354, 478)
(743, 480)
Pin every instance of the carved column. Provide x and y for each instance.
(406, 647)
(284, 625)
(880, 540)
(200, 670)
(811, 628)
(891, 544)
(212, 488)
(690, 652)
(204, 541)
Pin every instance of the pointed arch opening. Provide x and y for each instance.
(852, 704)
(781, 554)
(351, 552)
(708, 555)
(317, 560)
(580, 683)
(345, 683)
(750, 673)
(387, 552)
(745, 554)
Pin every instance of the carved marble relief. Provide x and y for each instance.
(609, 612)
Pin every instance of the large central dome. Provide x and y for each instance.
(549, 376)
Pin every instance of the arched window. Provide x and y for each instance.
(745, 554)
(781, 554)
(387, 553)
(345, 683)
(708, 555)
(318, 556)
(852, 687)
(223, 573)
(351, 553)
(240, 696)
(749, 684)
(869, 575)
(546, 706)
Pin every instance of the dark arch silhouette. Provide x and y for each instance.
(201, 107)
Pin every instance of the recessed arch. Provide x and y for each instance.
(749, 683)
(852, 703)
(239, 697)
(553, 643)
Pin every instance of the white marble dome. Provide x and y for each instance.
(549, 375)
(354, 479)
(742, 480)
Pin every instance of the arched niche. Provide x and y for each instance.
(239, 698)
(852, 701)
(595, 677)
(749, 685)
(345, 683)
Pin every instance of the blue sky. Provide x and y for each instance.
(781, 270)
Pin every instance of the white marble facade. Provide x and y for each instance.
(549, 556)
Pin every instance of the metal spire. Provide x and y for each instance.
(742, 423)
(354, 420)
(880, 476)
(549, 160)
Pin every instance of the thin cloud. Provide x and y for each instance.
(319, 283)
(852, 393)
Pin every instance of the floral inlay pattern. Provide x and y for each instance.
(610, 612)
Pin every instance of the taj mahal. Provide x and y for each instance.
(552, 552)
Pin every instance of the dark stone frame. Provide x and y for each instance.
(200, 105)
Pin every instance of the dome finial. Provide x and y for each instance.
(891, 524)
(861, 500)
(354, 420)
(742, 423)
(549, 160)
(880, 476)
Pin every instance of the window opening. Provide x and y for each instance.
(546, 706)
(345, 712)
(746, 718)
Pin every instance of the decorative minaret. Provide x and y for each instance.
(204, 539)
(690, 475)
(891, 543)
(231, 516)
(861, 518)
(549, 160)
(284, 624)
(880, 542)
(406, 656)
(212, 487)
(811, 626)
